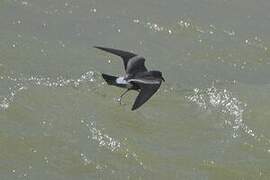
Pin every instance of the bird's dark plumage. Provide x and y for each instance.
(111, 80)
(137, 76)
(146, 92)
(126, 56)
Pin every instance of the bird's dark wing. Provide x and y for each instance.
(126, 56)
(146, 92)
(135, 65)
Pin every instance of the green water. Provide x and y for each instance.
(209, 120)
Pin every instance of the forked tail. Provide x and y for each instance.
(111, 80)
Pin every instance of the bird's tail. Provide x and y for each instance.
(111, 80)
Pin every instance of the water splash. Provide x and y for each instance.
(153, 26)
(23, 83)
(110, 143)
(6, 100)
(225, 102)
(104, 140)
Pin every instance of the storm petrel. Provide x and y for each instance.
(137, 77)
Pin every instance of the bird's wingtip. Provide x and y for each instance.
(105, 49)
(134, 108)
(97, 47)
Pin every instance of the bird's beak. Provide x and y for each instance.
(163, 79)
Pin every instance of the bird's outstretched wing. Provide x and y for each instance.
(126, 56)
(146, 92)
(132, 62)
(135, 65)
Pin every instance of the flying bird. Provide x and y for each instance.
(137, 77)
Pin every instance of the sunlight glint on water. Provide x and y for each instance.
(223, 101)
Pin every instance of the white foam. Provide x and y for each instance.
(108, 142)
(223, 100)
(23, 83)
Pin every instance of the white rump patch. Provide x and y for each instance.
(121, 80)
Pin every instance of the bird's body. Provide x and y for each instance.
(137, 77)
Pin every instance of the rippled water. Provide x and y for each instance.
(59, 120)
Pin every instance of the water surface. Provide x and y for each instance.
(59, 120)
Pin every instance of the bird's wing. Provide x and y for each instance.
(146, 92)
(144, 80)
(135, 65)
(126, 56)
